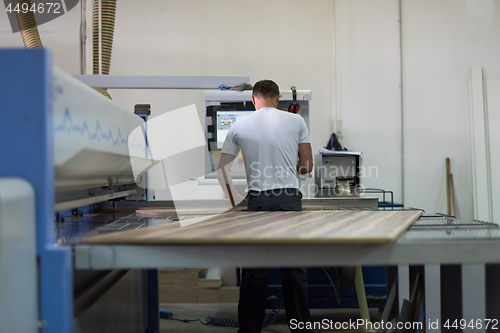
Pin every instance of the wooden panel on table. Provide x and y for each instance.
(165, 212)
(284, 227)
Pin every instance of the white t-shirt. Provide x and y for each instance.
(269, 142)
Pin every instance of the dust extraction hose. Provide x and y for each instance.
(102, 27)
(108, 13)
(31, 37)
(95, 37)
(27, 26)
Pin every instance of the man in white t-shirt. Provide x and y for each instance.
(276, 150)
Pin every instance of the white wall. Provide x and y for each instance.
(290, 42)
(440, 50)
(441, 41)
(368, 78)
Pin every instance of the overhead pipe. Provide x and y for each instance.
(95, 37)
(31, 36)
(27, 26)
(83, 37)
(103, 26)
(108, 14)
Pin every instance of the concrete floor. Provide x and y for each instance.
(229, 310)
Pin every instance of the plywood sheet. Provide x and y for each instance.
(165, 212)
(286, 227)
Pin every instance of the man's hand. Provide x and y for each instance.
(239, 199)
(225, 181)
(305, 164)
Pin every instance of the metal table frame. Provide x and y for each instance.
(471, 254)
(399, 253)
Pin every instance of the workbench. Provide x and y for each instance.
(433, 242)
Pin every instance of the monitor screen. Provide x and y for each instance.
(225, 119)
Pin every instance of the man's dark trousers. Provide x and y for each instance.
(255, 281)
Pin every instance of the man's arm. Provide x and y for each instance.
(225, 181)
(305, 164)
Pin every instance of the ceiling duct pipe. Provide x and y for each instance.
(103, 26)
(27, 26)
(31, 36)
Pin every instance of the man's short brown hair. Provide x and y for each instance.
(266, 88)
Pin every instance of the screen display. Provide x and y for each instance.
(225, 119)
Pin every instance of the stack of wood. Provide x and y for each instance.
(194, 285)
(412, 310)
(178, 285)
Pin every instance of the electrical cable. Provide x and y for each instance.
(278, 304)
(170, 316)
(228, 322)
(337, 295)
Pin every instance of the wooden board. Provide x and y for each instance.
(165, 212)
(285, 227)
(388, 304)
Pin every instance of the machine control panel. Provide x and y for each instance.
(225, 119)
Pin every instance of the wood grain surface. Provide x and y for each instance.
(285, 227)
(165, 212)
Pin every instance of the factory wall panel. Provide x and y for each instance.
(368, 78)
(493, 93)
(442, 40)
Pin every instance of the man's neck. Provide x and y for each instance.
(260, 102)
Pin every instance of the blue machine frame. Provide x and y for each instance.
(26, 91)
(27, 141)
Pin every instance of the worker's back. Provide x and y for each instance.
(269, 141)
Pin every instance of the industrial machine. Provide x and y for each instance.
(223, 108)
(337, 173)
(65, 146)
